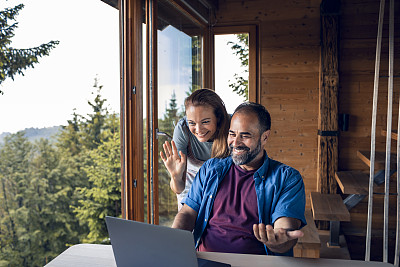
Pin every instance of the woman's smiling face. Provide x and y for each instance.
(202, 122)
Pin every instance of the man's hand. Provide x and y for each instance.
(176, 166)
(279, 239)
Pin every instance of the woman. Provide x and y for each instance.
(199, 136)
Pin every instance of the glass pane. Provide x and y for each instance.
(179, 72)
(231, 83)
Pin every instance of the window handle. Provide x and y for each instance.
(158, 133)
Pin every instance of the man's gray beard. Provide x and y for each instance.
(246, 157)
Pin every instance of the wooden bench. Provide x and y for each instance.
(330, 207)
(309, 245)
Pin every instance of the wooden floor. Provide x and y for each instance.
(356, 246)
(353, 247)
(333, 253)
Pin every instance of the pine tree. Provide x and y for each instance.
(52, 196)
(34, 226)
(14, 61)
(94, 125)
(14, 162)
(103, 197)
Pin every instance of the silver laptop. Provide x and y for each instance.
(141, 244)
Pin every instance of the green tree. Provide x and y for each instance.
(78, 144)
(94, 125)
(196, 63)
(14, 163)
(14, 61)
(240, 85)
(103, 196)
(31, 233)
(52, 196)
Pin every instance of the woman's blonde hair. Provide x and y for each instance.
(207, 97)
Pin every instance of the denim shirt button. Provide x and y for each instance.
(210, 196)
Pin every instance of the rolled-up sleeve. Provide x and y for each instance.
(291, 199)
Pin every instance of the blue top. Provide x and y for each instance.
(279, 188)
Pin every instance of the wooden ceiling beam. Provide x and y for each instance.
(113, 3)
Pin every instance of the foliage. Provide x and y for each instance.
(103, 197)
(241, 49)
(14, 61)
(196, 64)
(53, 195)
(56, 194)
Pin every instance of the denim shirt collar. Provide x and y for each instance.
(262, 171)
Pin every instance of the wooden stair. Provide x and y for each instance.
(356, 183)
(353, 182)
(380, 158)
(393, 135)
(309, 245)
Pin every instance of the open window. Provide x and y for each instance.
(166, 53)
(162, 44)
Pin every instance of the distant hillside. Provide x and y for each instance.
(36, 133)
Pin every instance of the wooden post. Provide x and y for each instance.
(328, 93)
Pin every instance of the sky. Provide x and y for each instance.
(63, 81)
(88, 31)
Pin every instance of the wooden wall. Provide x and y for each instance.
(289, 42)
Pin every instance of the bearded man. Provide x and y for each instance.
(246, 203)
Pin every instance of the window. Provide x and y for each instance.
(162, 63)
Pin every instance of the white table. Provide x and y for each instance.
(88, 255)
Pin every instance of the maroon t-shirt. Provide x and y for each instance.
(230, 227)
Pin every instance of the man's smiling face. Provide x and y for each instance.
(245, 140)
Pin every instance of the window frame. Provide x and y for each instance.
(132, 92)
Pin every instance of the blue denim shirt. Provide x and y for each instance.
(279, 190)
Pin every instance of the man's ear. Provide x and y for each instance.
(265, 135)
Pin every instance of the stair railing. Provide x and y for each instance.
(388, 142)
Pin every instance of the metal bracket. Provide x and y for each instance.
(328, 133)
(334, 234)
(379, 177)
(352, 200)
